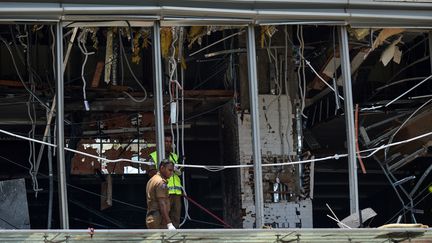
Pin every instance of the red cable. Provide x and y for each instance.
(207, 211)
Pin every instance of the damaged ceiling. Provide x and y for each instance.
(110, 98)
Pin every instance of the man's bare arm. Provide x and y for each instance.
(163, 205)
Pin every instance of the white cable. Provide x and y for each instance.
(185, 201)
(172, 67)
(314, 71)
(393, 144)
(53, 51)
(32, 116)
(215, 168)
(299, 77)
(122, 50)
(82, 38)
(406, 92)
(303, 72)
(403, 124)
(286, 93)
(133, 98)
(371, 108)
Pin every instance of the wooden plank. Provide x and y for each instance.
(11, 83)
(208, 93)
(97, 75)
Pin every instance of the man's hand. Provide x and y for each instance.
(178, 170)
(171, 226)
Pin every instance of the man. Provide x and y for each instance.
(174, 184)
(157, 198)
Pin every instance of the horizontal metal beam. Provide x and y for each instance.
(364, 12)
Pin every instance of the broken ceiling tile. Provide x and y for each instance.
(389, 52)
(385, 34)
(397, 56)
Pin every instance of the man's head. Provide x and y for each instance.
(166, 168)
(168, 142)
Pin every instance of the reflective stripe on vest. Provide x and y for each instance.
(174, 183)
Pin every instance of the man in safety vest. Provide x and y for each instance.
(174, 185)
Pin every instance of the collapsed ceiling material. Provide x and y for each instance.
(109, 104)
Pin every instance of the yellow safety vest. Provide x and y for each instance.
(174, 182)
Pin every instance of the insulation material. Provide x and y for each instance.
(384, 35)
(397, 55)
(195, 34)
(390, 52)
(108, 56)
(359, 34)
(266, 30)
(140, 36)
(166, 39)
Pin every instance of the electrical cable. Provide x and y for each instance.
(299, 77)
(403, 124)
(409, 90)
(363, 168)
(215, 168)
(82, 39)
(303, 71)
(315, 72)
(288, 125)
(31, 111)
(99, 195)
(122, 50)
(19, 74)
(53, 56)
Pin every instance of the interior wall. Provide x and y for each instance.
(275, 118)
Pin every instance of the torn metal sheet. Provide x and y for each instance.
(13, 205)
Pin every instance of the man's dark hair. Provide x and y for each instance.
(165, 162)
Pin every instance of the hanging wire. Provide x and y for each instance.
(122, 50)
(82, 39)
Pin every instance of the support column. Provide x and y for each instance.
(158, 92)
(349, 119)
(62, 186)
(256, 141)
(430, 48)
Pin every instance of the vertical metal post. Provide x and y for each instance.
(430, 48)
(63, 202)
(158, 92)
(256, 143)
(349, 120)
